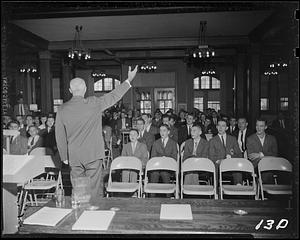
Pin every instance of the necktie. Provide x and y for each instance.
(32, 142)
(195, 147)
(164, 142)
(243, 147)
(223, 142)
(189, 130)
(133, 147)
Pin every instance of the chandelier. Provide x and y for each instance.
(77, 48)
(148, 67)
(96, 74)
(28, 68)
(276, 67)
(202, 51)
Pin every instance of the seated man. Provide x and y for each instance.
(163, 147)
(35, 140)
(224, 146)
(136, 149)
(173, 130)
(145, 136)
(43, 121)
(18, 143)
(261, 144)
(195, 147)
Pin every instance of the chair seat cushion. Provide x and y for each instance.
(122, 187)
(198, 189)
(238, 190)
(277, 189)
(42, 185)
(159, 188)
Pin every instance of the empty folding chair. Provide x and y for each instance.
(126, 163)
(242, 165)
(274, 164)
(198, 164)
(161, 163)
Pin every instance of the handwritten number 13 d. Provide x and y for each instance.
(269, 224)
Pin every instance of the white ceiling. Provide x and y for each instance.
(146, 26)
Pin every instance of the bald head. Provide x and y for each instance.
(77, 87)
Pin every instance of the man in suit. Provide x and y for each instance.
(34, 140)
(209, 128)
(78, 131)
(124, 122)
(232, 126)
(29, 122)
(43, 121)
(195, 147)
(181, 119)
(48, 134)
(144, 136)
(5, 120)
(224, 146)
(261, 144)
(173, 129)
(149, 127)
(136, 149)
(157, 121)
(214, 118)
(18, 143)
(242, 133)
(163, 147)
(21, 108)
(184, 131)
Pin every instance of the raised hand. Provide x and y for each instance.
(131, 74)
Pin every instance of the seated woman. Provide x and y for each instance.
(136, 149)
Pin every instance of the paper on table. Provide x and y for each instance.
(47, 216)
(94, 220)
(176, 212)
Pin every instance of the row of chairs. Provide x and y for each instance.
(143, 187)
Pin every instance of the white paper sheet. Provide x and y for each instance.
(176, 212)
(94, 220)
(47, 216)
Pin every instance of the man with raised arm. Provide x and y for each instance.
(79, 127)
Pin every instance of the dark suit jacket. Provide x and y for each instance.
(201, 151)
(174, 134)
(231, 133)
(154, 131)
(18, 145)
(217, 152)
(158, 150)
(248, 133)
(127, 123)
(39, 143)
(140, 152)
(183, 134)
(16, 109)
(156, 123)
(268, 149)
(78, 126)
(148, 139)
(49, 138)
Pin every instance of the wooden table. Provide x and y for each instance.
(141, 216)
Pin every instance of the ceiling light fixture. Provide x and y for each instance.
(77, 47)
(148, 67)
(203, 50)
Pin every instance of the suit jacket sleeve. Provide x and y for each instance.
(250, 144)
(211, 151)
(61, 137)
(153, 151)
(236, 149)
(204, 153)
(272, 149)
(112, 97)
(187, 151)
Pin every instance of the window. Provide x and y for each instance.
(145, 104)
(198, 103)
(205, 82)
(264, 104)
(284, 103)
(56, 104)
(106, 84)
(165, 100)
(214, 104)
(196, 83)
(215, 83)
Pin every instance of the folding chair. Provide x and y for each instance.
(198, 164)
(237, 164)
(52, 182)
(161, 163)
(274, 164)
(122, 162)
(182, 150)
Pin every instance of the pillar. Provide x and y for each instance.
(254, 85)
(46, 82)
(241, 85)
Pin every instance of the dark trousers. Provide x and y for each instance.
(165, 176)
(93, 170)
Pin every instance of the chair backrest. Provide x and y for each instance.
(236, 164)
(123, 162)
(182, 147)
(41, 151)
(274, 163)
(162, 163)
(198, 164)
